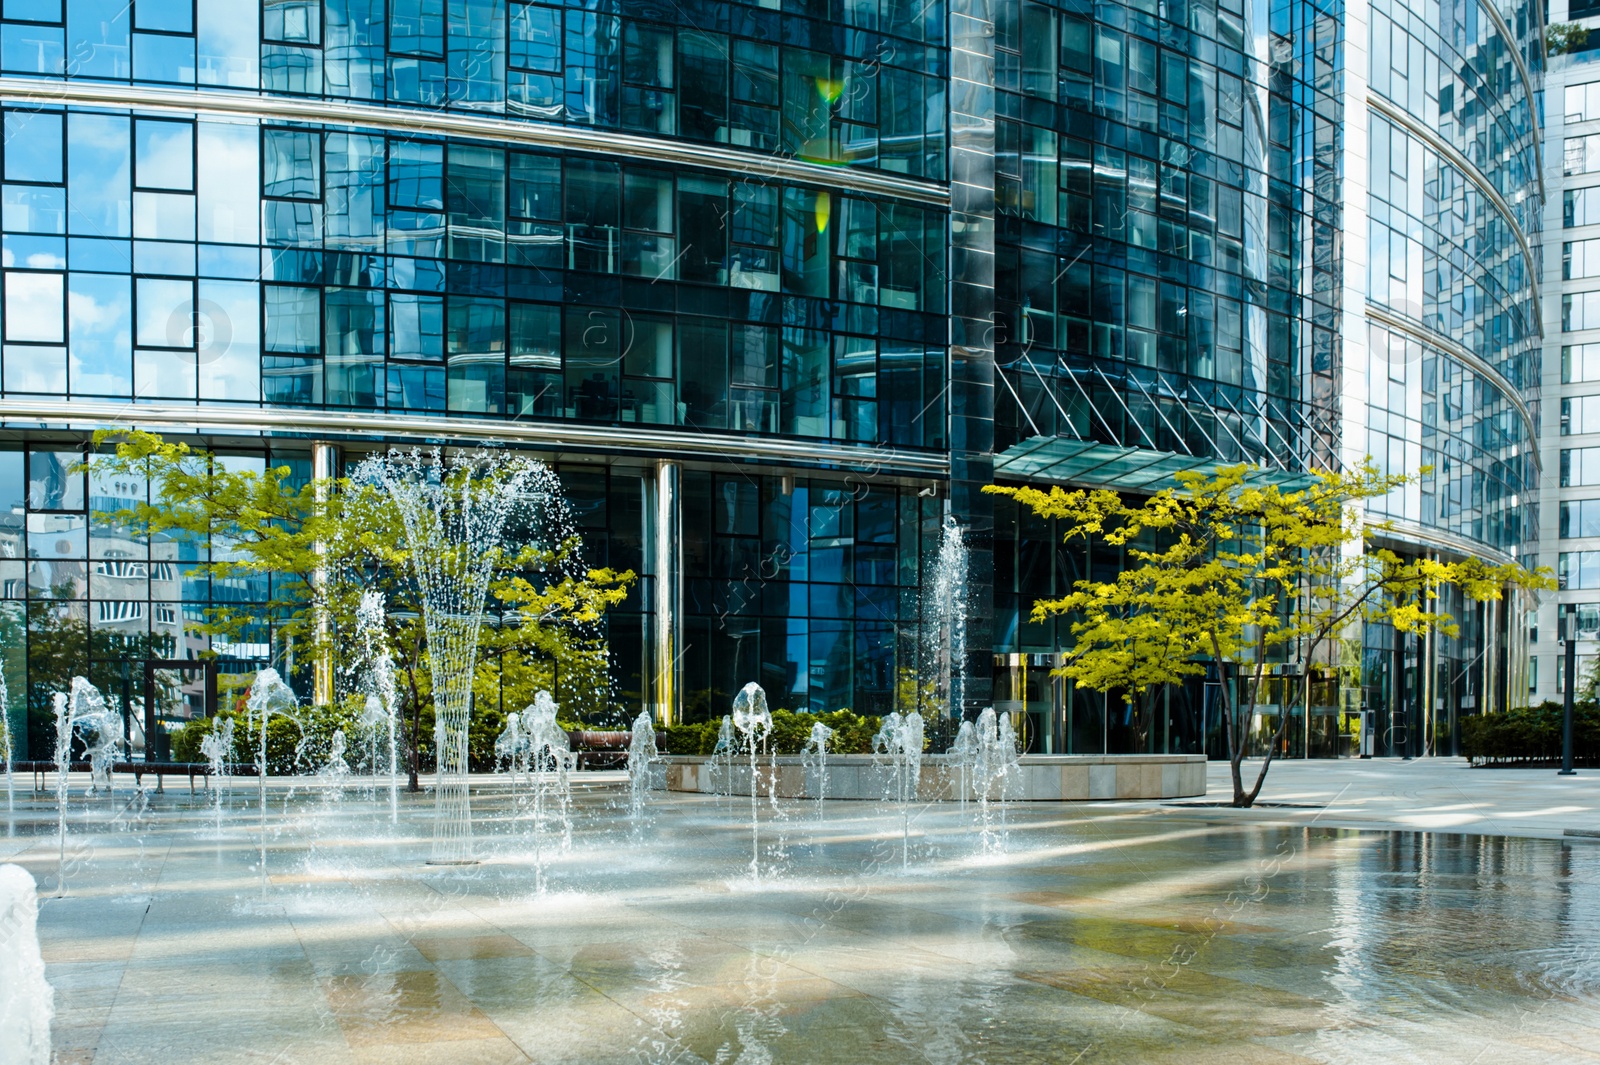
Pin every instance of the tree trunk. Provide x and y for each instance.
(1242, 798)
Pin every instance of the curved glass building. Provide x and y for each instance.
(776, 286)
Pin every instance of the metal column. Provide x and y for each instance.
(665, 539)
(972, 327)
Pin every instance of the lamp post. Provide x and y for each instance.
(1569, 638)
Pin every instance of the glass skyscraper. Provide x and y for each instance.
(777, 287)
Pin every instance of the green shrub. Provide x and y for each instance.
(1531, 735)
(294, 745)
(791, 731)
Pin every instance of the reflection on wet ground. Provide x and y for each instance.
(1093, 935)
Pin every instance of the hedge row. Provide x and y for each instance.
(302, 746)
(852, 733)
(1531, 735)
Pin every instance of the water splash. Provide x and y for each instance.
(27, 1001)
(335, 773)
(996, 773)
(6, 745)
(945, 609)
(899, 743)
(641, 764)
(754, 722)
(511, 749)
(814, 760)
(551, 762)
(216, 747)
(381, 688)
(963, 757)
(719, 768)
(269, 697)
(83, 708)
(456, 511)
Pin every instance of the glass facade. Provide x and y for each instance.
(836, 263)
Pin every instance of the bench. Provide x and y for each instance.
(600, 749)
(159, 770)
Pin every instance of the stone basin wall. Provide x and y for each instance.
(1040, 777)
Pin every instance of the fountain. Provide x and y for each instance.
(83, 708)
(511, 749)
(269, 697)
(995, 770)
(380, 689)
(963, 755)
(945, 608)
(900, 742)
(336, 771)
(27, 1001)
(6, 747)
(551, 763)
(719, 768)
(641, 764)
(455, 512)
(814, 760)
(754, 722)
(217, 748)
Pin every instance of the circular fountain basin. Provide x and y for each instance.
(1040, 777)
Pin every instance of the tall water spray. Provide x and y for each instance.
(380, 684)
(551, 763)
(995, 773)
(455, 511)
(899, 741)
(82, 708)
(814, 760)
(754, 722)
(216, 747)
(719, 768)
(945, 609)
(963, 757)
(336, 771)
(269, 697)
(6, 746)
(641, 764)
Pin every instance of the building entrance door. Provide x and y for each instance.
(176, 691)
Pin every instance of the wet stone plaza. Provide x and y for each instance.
(1105, 932)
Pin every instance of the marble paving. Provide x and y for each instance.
(1079, 934)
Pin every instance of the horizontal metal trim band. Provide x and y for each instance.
(1474, 175)
(1413, 532)
(1423, 335)
(477, 127)
(18, 414)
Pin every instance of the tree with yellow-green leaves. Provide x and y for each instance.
(323, 543)
(1224, 569)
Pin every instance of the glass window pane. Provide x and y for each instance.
(417, 325)
(292, 21)
(165, 311)
(291, 164)
(535, 186)
(35, 305)
(294, 319)
(99, 172)
(33, 146)
(171, 16)
(535, 37)
(100, 333)
(227, 340)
